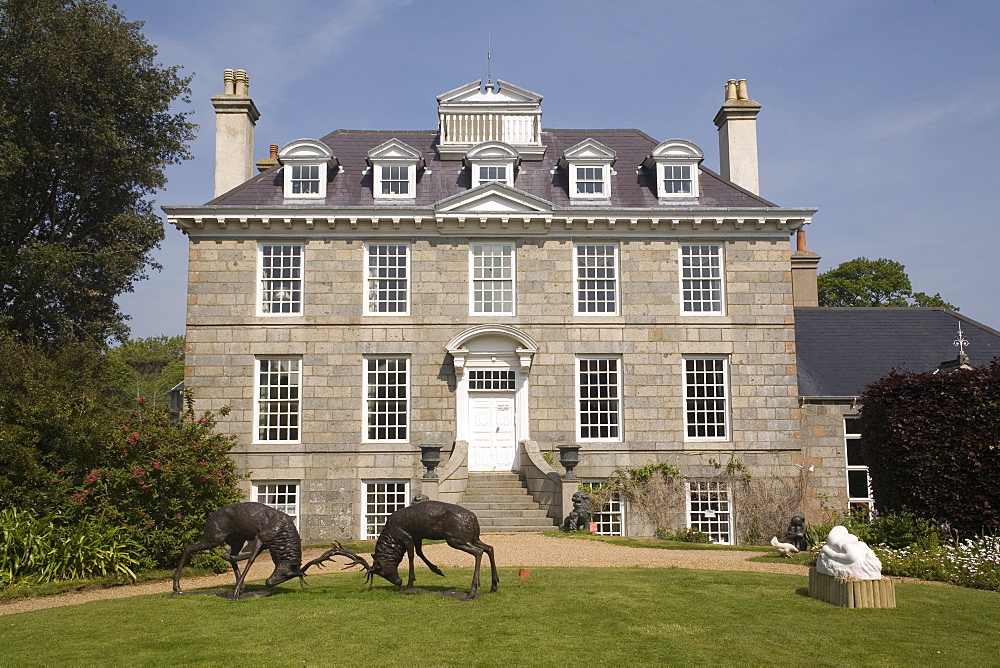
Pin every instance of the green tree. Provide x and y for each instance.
(86, 129)
(864, 282)
(148, 368)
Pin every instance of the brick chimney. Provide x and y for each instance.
(737, 123)
(235, 118)
(804, 263)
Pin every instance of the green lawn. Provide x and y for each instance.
(598, 616)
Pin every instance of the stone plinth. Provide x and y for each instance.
(852, 593)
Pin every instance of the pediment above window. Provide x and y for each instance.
(394, 166)
(675, 163)
(492, 161)
(588, 168)
(494, 198)
(307, 164)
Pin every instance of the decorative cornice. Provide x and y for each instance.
(277, 221)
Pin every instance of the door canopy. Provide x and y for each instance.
(489, 342)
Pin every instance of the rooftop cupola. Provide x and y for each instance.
(737, 123)
(473, 114)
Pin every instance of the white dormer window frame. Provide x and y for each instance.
(307, 164)
(492, 162)
(675, 163)
(589, 166)
(394, 167)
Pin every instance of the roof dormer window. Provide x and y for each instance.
(492, 162)
(394, 167)
(675, 162)
(589, 169)
(306, 167)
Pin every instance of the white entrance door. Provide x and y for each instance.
(492, 444)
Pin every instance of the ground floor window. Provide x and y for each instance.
(710, 511)
(283, 496)
(610, 518)
(859, 484)
(382, 499)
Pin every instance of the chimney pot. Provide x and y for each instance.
(731, 89)
(230, 83)
(274, 151)
(741, 90)
(242, 83)
(800, 241)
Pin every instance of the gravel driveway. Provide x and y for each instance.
(525, 550)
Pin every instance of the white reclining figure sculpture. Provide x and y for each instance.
(844, 556)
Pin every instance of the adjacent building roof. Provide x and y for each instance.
(631, 186)
(841, 350)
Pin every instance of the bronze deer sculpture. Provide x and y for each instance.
(263, 528)
(406, 528)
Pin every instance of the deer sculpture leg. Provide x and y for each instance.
(205, 544)
(256, 547)
(488, 549)
(475, 551)
(420, 553)
(409, 556)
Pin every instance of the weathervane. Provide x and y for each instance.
(961, 341)
(489, 49)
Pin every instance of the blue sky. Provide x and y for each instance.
(883, 115)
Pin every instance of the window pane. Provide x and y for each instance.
(278, 400)
(705, 397)
(599, 397)
(381, 500)
(701, 278)
(493, 278)
(596, 279)
(281, 278)
(387, 278)
(386, 405)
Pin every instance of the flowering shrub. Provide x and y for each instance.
(974, 562)
(158, 480)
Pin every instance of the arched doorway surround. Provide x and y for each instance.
(492, 363)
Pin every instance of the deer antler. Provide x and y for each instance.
(318, 561)
(356, 559)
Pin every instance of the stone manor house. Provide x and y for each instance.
(505, 296)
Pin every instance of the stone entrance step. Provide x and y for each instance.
(504, 505)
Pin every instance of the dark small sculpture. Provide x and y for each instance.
(580, 516)
(796, 533)
(263, 528)
(406, 528)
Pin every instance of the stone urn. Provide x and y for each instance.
(569, 457)
(430, 457)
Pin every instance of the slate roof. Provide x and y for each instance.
(353, 189)
(841, 350)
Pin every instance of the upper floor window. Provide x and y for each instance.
(492, 278)
(492, 162)
(394, 167)
(395, 180)
(280, 287)
(677, 179)
(589, 166)
(387, 405)
(597, 279)
(305, 179)
(307, 163)
(279, 385)
(599, 392)
(701, 279)
(590, 181)
(388, 278)
(676, 165)
(706, 409)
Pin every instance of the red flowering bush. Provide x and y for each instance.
(159, 479)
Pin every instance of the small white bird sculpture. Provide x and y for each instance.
(784, 549)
